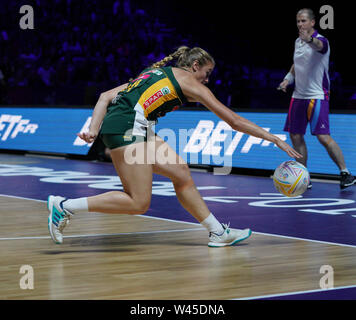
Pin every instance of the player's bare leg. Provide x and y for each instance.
(136, 179)
(169, 164)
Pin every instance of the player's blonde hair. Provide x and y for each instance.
(185, 57)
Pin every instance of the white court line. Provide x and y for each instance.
(295, 293)
(22, 198)
(303, 239)
(198, 224)
(320, 180)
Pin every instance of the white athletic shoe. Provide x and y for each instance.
(229, 237)
(58, 218)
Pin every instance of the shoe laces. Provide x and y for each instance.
(64, 222)
(226, 226)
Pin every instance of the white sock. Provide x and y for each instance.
(212, 224)
(345, 170)
(79, 205)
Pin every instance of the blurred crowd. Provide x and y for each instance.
(79, 48)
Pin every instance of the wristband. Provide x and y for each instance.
(289, 77)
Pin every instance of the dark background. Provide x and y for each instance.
(80, 48)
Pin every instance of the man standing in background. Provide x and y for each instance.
(310, 99)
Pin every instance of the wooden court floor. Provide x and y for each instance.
(137, 257)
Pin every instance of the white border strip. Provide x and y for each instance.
(295, 293)
(310, 240)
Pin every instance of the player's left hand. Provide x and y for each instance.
(288, 149)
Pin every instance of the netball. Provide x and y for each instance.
(291, 178)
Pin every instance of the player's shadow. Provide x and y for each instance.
(116, 243)
(126, 243)
(55, 252)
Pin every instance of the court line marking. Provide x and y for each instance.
(198, 224)
(295, 293)
(303, 239)
(320, 180)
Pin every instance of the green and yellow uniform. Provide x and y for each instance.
(151, 95)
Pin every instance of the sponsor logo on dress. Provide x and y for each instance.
(157, 95)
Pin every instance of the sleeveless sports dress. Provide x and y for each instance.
(150, 96)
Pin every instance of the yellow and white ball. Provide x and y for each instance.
(291, 178)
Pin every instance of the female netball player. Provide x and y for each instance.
(122, 117)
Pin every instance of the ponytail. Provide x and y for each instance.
(185, 57)
(175, 55)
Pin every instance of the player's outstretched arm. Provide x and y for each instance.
(195, 91)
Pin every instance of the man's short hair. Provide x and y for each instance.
(308, 11)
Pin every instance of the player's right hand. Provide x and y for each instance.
(88, 137)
